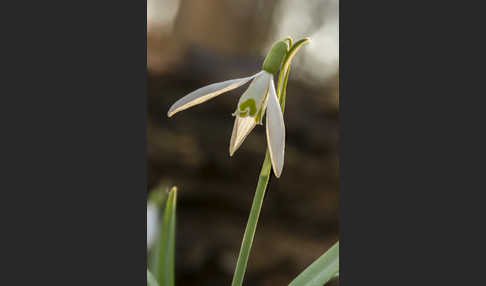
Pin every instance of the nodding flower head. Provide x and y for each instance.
(259, 99)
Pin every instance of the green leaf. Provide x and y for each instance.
(166, 245)
(151, 281)
(320, 271)
(158, 197)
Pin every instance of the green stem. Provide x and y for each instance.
(252, 222)
(265, 174)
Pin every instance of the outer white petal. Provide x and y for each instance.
(206, 93)
(243, 126)
(275, 131)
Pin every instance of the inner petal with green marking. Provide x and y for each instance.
(248, 104)
(252, 101)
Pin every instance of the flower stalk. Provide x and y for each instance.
(251, 225)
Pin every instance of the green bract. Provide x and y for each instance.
(275, 57)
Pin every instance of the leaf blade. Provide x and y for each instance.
(321, 270)
(166, 247)
(151, 281)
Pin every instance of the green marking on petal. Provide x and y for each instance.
(249, 103)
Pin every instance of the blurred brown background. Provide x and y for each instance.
(192, 43)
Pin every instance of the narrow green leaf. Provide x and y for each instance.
(157, 196)
(321, 270)
(151, 281)
(166, 246)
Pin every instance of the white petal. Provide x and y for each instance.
(275, 131)
(206, 93)
(241, 129)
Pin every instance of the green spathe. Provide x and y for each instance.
(275, 57)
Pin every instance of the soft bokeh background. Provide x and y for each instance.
(192, 43)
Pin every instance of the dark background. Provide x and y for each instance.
(194, 43)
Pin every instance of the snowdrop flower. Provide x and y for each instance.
(260, 97)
